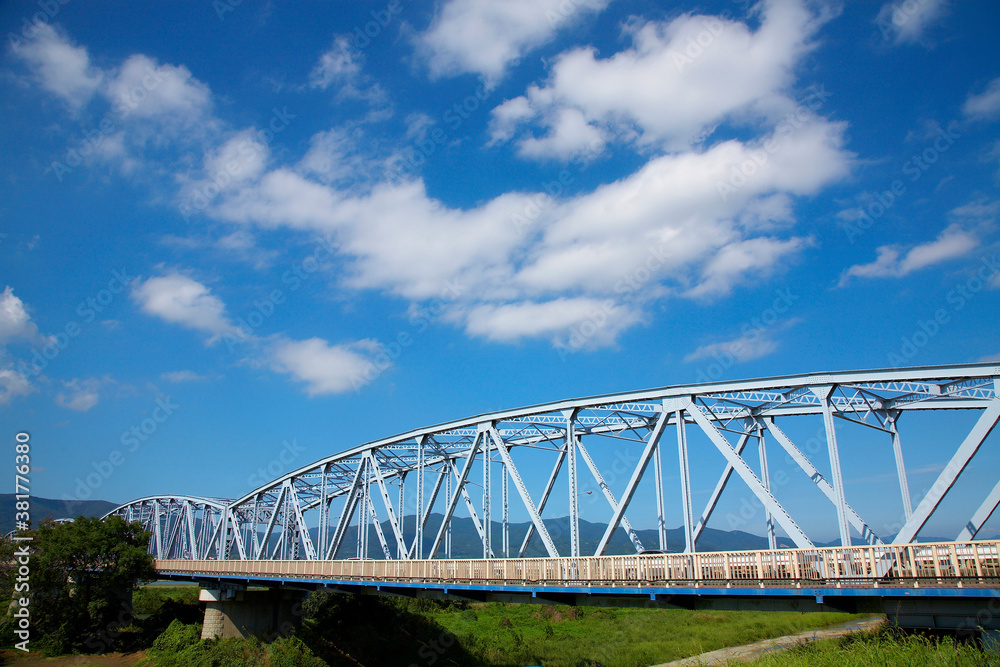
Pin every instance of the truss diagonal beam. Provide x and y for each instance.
(809, 469)
(453, 501)
(713, 500)
(981, 516)
(393, 523)
(536, 519)
(770, 503)
(947, 478)
(640, 468)
(610, 496)
(544, 499)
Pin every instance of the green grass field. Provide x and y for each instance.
(558, 636)
(881, 648)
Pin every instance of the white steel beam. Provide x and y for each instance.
(453, 501)
(840, 501)
(380, 480)
(640, 468)
(350, 502)
(610, 496)
(713, 500)
(743, 470)
(536, 519)
(981, 516)
(866, 532)
(950, 474)
(544, 499)
(682, 456)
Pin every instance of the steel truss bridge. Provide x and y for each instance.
(399, 495)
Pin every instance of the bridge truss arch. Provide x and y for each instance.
(399, 495)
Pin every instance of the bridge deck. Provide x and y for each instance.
(952, 565)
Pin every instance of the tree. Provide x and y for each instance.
(82, 577)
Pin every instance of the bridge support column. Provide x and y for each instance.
(233, 611)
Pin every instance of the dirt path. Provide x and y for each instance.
(725, 656)
(21, 659)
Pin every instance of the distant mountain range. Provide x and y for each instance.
(42, 508)
(465, 540)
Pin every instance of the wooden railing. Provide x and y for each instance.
(949, 563)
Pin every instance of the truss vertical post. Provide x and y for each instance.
(402, 514)
(824, 393)
(765, 478)
(682, 454)
(487, 484)
(574, 498)
(447, 534)
(661, 518)
(897, 450)
(324, 510)
(506, 514)
(421, 464)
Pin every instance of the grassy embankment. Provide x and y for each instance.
(881, 648)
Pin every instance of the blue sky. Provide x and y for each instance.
(281, 229)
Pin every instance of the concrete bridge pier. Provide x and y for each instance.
(234, 611)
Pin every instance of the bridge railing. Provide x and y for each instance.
(949, 563)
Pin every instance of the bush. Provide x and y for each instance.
(177, 637)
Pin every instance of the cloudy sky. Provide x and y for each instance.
(235, 233)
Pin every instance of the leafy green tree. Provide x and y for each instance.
(82, 577)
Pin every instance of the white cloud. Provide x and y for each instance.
(178, 377)
(342, 63)
(79, 395)
(734, 263)
(486, 36)
(732, 72)
(951, 243)
(12, 385)
(60, 67)
(15, 326)
(15, 323)
(167, 93)
(744, 348)
(325, 368)
(341, 68)
(906, 21)
(182, 300)
(679, 220)
(985, 105)
(594, 321)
